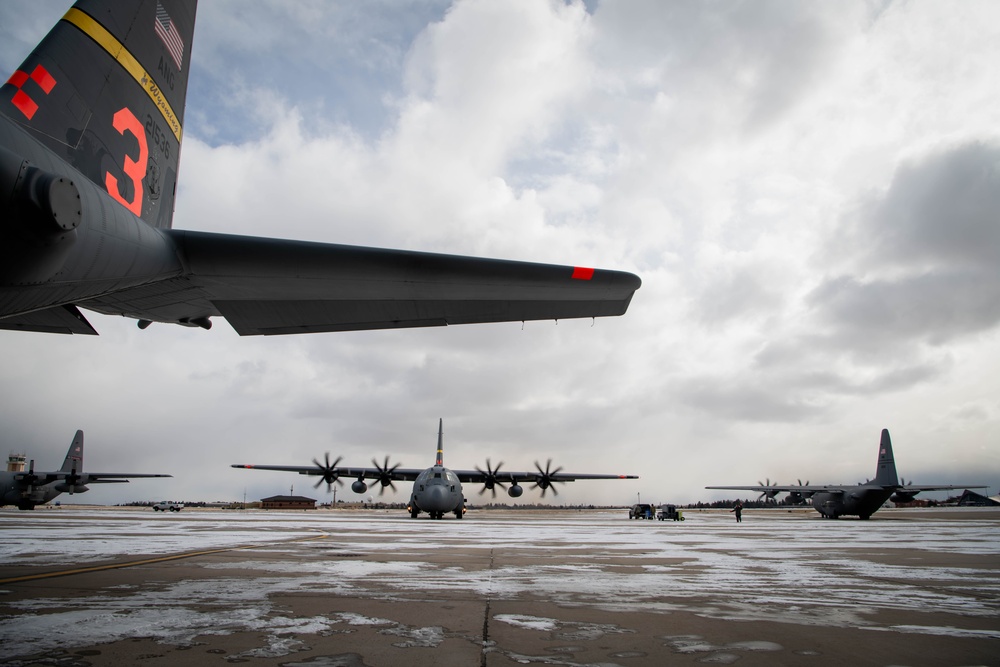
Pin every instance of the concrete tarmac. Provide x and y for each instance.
(86, 586)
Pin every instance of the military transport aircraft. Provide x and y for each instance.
(29, 488)
(437, 490)
(861, 500)
(90, 137)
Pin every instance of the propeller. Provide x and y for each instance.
(544, 479)
(903, 496)
(800, 497)
(72, 480)
(328, 472)
(770, 494)
(385, 474)
(807, 494)
(491, 481)
(31, 477)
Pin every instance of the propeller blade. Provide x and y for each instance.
(385, 474)
(328, 472)
(490, 474)
(545, 481)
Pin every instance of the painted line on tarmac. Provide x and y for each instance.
(148, 561)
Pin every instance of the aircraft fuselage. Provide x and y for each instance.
(64, 239)
(437, 491)
(862, 500)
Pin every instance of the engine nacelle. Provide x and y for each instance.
(798, 498)
(359, 487)
(515, 491)
(901, 497)
(71, 488)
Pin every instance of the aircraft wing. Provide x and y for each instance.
(111, 477)
(804, 489)
(59, 319)
(36, 477)
(410, 474)
(271, 286)
(914, 488)
(481, 477)
(336, 472)
(778, 488)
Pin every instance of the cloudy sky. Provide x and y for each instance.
(809, 192)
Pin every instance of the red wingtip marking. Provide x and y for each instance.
(582, 273)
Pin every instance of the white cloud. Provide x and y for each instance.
(776, 173)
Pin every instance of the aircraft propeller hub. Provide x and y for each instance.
(490, 481)
(545, 478)
(385, 475)
(328, 472)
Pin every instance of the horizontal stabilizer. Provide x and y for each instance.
(61, 320)
(272, 286)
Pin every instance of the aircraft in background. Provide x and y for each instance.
(437, 490)
(29, 488)
(90, 137)
(862, 500)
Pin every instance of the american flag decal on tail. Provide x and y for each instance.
(167, 32)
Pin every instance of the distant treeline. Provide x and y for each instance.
(755, 504)
(193, 503)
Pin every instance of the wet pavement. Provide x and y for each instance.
(353, 587)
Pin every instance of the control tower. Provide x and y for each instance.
(15, 463)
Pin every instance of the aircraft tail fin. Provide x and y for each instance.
(440, 451)
(885, 471)
(105, 90)
(74, 457)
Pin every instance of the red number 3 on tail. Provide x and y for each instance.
(124, 121)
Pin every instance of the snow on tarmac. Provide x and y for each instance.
(801, 569)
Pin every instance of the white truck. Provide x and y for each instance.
(165, 507)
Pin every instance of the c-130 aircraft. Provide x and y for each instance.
(90, 135)
(28, 488)
(861, 500)
(436, 490)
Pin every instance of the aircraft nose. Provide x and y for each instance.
(435, 499)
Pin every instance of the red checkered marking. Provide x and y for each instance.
(21, 100)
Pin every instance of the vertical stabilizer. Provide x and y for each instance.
(105, 91)
(885, 472)
(74, 457)
(439, 461)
